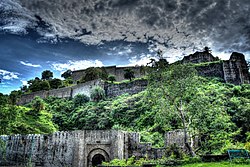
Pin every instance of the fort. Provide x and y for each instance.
(85, 148)
(234, 71)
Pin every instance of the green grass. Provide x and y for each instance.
(216, 164)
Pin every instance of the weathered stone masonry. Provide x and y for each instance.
(111, 90)
(233, 71)
(77, 148)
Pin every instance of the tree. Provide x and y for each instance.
(38, 85)
(3, 99)
(195, 106)
(14, 96)
(97, 93)
(55, 83)
(111, 78)
(67, 74)
(24, 88)
(80, 99)
(38, 104)
(129, 74)
(175, 85)
(47, 74)
(207, 50)
(93, 73)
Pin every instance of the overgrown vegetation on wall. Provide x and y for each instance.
(216, 112)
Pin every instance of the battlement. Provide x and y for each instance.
(74, 148)
(118, 72)
(199, 57)
(234, 70)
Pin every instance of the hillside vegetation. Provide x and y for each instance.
(176, 98)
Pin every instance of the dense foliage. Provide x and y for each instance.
(217, 113)
(24, 120)
(47, 82)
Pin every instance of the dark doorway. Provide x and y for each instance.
(97, 159)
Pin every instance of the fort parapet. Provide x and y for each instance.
(234, 70)
(77, 148)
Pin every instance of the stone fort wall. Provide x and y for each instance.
(76, 148)
(234, 70)
(118, 72)
(111, 90)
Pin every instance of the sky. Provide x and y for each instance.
(56, 35)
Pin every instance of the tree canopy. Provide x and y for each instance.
(47, 74)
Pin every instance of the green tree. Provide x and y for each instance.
(129, 74)
(3, 99)
(188, 101)
(55, 83)
(97, 93)
(67, 74)
(93, 73)
(67, 82)
(14, 96)
(38, 85)
(47, 74)
(38, 104)
(19, 120)
(111, 78)
(80, 99)
(174, 86)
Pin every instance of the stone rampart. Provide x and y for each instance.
(67, 92)
(77, 148)
(214, 69)
(136, 86)
(84, 88)
(111, 90)
(118, 72)
(234, 70)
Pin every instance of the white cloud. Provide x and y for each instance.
(30, 64)
(175, 24)
(7, 75)
(77, 65)
(141, 60)
(24, 83)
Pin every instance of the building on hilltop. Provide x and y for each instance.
(118, 72)
(234, 71)
(199, 57)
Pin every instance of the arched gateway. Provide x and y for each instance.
(97, 156)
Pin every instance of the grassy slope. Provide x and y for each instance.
(216, 164)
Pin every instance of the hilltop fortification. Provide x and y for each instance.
(234, 71)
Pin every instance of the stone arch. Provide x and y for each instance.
(96, 156)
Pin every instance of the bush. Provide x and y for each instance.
(80, 99)
(97, 94)
(111, 78)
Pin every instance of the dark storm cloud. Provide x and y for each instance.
(177, 25)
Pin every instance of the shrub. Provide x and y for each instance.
(80, 99)
(97, 94)
(111, 78)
